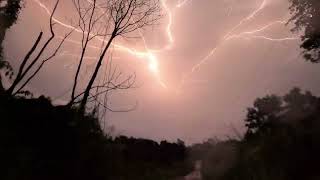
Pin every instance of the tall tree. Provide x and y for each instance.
(108, 20)
(305, 16)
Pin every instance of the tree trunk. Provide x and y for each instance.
(86, 94)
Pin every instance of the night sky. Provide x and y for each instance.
(207, 62)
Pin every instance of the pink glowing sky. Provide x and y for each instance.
(204, 64)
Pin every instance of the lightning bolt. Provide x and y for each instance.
(182, 3)
(248, 18)
(168, 29)
(151, 54)
(148, 54)
(255, 31)
(230, 36)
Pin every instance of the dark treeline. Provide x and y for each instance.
(42, 141)
(282, 142)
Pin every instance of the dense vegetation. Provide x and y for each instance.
(42, 141)
(282, 142)
(305, 16)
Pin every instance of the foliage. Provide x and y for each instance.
(286, 143)
(42, 141)
(8, 16)
(282, 142)
(217, 157)
(306, 17)
(9, 11)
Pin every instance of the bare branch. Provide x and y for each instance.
(43, 62)
(127, 16)
(23, 72)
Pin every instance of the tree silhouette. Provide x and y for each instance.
(260, 116)
(38, 61)
(272, 110)
(42, 141)
(306, 18)
(282, 142)
(9, 11)
(282, 139)
(97, 19)
(108, 20)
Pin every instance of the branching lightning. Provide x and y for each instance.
(170, 16)
(147, 54)
(182, 3)
(245, 34)
(151, 54)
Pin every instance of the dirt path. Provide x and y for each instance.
(196, 174)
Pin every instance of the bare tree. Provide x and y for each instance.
(26, 66)
(107, 20)
(102, 20)
(113, 80)
(88, 19)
